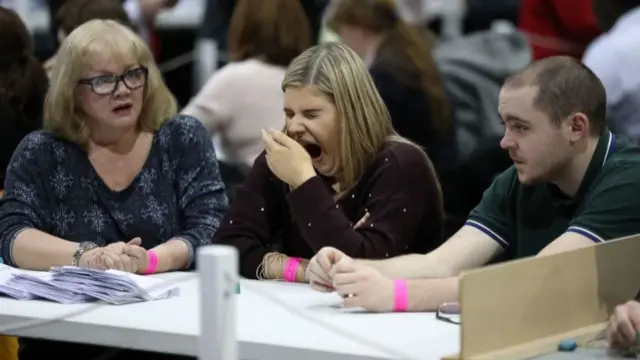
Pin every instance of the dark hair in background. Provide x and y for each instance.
(274, 30)
(22, 77)
(74, 13)
(565, 86)
(608, 12)
(403, 49)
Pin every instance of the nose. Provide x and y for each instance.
(295, 126)
(507, 142)
(121, 88)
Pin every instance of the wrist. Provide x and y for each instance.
(152, 263)
(291, 269)
(303, 178)
(79, 257)
(400, 296)
(301, 274)
(271, 266)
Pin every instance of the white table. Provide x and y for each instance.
(265, 330)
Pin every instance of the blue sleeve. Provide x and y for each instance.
(24, 204)
(201, 193)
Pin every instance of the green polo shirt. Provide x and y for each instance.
(526, 218)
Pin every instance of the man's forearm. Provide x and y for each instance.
(429, 294)
(413, 266)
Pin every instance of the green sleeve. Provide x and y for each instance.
(612, 207)
(492, 215)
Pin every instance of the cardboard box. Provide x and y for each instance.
(524, 308)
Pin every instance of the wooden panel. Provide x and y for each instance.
(8, 348)
(542, 346)
(523, 301)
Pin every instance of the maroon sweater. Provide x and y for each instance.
(398, 190)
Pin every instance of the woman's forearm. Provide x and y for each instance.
(36, 250)
(172, 255)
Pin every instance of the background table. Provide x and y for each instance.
(265, 329)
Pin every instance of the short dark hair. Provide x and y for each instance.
(275, 30)
(74, 13)
(565, 86)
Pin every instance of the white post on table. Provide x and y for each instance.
(218, 271)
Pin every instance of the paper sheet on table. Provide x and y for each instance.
(70, 285)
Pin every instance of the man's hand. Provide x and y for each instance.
(362, 286)
(623, 325)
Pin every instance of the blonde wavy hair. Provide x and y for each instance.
(91, 40)
(365, 124)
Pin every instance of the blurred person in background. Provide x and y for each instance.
(245, 96)
(558, 27)
(217, 17)
(74, 13)
(142, 12)
(399, 58)
(23, 85)
(615, 58)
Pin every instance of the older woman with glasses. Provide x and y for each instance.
(116, 180)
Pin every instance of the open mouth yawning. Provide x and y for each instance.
(313, 150)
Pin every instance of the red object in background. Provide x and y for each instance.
(154, 42)
(558, 27)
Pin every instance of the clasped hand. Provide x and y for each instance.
(129, 257)
(287, 159)
(359, 285)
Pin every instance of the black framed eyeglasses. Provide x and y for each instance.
(107, 84)
(449, 312)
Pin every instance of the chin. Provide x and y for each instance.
(528, 179)
(324, 169)
(124, 121)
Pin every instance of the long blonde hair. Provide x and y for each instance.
(93, 39)
(365, 124)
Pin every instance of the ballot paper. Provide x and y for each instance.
(72, 285)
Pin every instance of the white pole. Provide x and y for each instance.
(452, 14)
(218, 271)
(206, 62)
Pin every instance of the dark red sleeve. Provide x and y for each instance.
(396, 201)
(577, 17)
(253, 217)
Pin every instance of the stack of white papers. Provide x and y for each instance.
(71, 285)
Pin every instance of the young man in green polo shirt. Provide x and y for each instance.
(573, 184)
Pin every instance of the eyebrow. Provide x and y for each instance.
(105, 72)
(511, 117)
(305, 110)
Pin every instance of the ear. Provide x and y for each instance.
(578, 125)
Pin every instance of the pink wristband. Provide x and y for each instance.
(401, 296)
(291, 269)
(153, 263)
